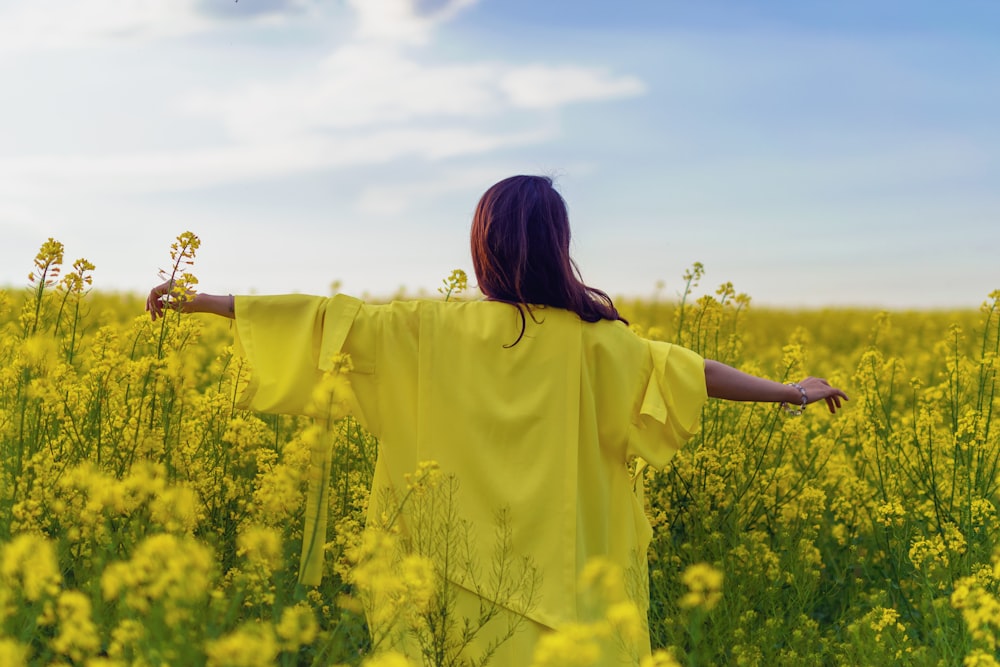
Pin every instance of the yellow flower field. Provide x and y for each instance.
(144, 520)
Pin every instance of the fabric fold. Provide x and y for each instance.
(670, 410)
(338, 318)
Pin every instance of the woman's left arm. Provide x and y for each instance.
(722, 381)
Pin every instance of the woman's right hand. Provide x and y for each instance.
(195, 302)
(163, 295)
(155, 300)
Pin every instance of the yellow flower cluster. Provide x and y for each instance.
(144, 520)
(976, 597)
(164, 571)
(611, 630)
(391, 585)
(885, 505)
(935, 553)
(77, 638)
(704, 587)
(13, 653)
(254, 645)
(453, 284)
(28, 566)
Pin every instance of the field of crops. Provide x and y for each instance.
(146, 521)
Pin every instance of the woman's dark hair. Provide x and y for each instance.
(520, 251)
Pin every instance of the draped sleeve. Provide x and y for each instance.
(669, 410)
(286, 342)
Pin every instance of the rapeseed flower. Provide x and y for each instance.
(13, 653)
(253, 645)
(333, 398)
(261, 546)
(626, 621)
(980, 658)
(980, 610)
(279, 495)
(297, 627)
(126, 638)
(388, 659)
(165, 570)
(390, 589)
(47, 263)
(660, 658)
(890, 513)
(177, 509)
(881, 618)
(77, 637)
(28, 564)
(456, 282)
(704, 587)
(574, 645)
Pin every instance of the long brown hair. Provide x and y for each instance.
(520, 251)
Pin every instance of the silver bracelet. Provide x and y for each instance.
(805, 399)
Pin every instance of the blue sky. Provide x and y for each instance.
(813, 154)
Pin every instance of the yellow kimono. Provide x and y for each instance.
(545, 427)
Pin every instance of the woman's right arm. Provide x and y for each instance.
(214, 304)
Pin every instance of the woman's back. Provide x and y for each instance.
(542, 428)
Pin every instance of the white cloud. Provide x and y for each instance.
(358, 85)
(377, 97)
(402, 21)
(369, 84)
(40, 176)
(392, 199)
(60, 24)
(544, 87)
(46, 24)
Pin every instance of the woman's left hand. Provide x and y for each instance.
(819, 389)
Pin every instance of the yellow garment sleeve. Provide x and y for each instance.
(670, 410)
(286, 342)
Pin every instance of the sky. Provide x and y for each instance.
(812, 153)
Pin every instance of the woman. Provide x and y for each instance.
(536, 398)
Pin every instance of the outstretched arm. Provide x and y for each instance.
(216, 304)
(726, 382)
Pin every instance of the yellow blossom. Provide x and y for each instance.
(13, 654)
(419, 579)
(704, 587)
(164, 569)
(881, 618)
(262, 547)
(980, 658)
(456, 282)
(77, 638)
(125, 637)
(604, 578)
(626, 621)
(890, 513)
(28, 562)
(177, 509)
(660, 658)
(574, 645)
(388, 659)
(250, 646)
(297, 627)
